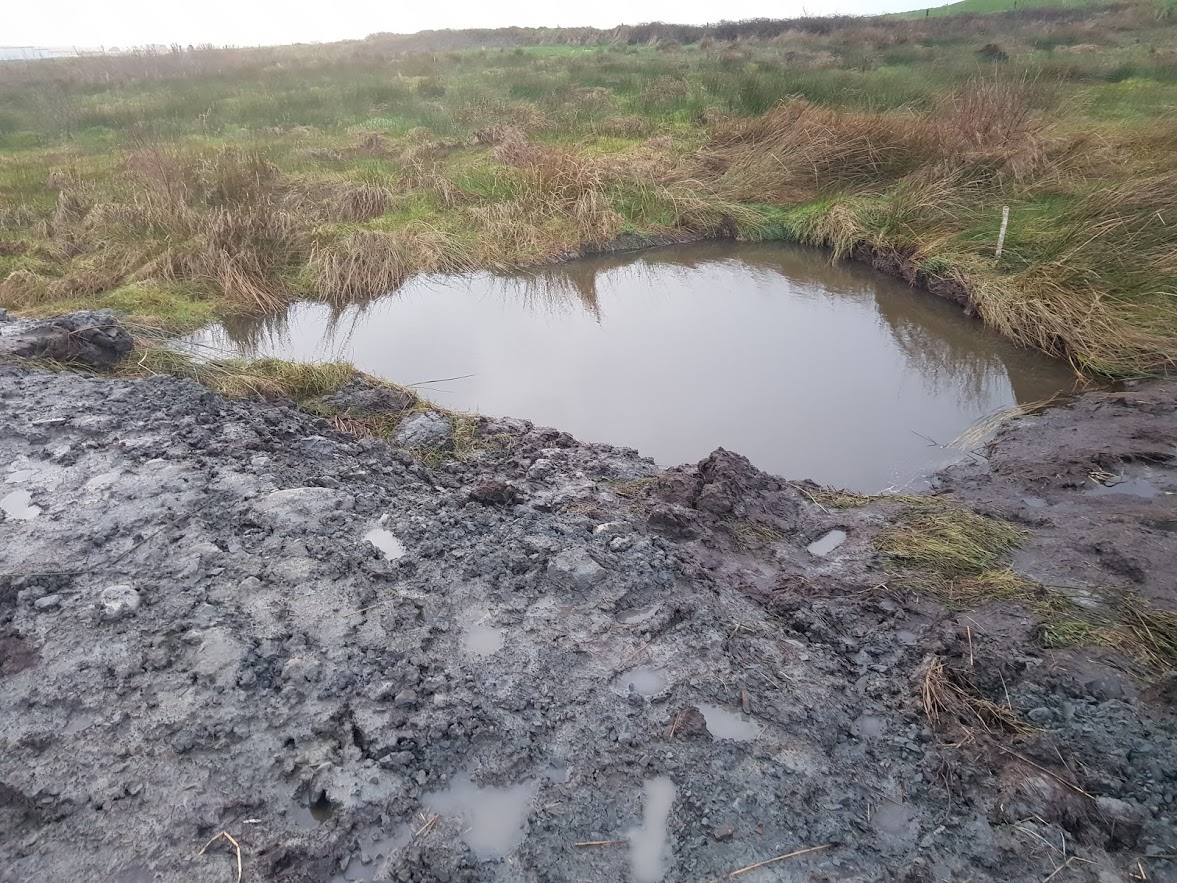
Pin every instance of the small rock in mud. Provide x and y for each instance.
(360, 394)
(673, 521)
(690, 723)
(119, 601)
(494, 493)
(427, 429)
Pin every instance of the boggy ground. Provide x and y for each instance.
(268, 672)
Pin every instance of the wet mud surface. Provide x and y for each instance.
(550, 662)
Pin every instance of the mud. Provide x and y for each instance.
(198, 634)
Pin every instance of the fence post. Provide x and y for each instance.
(1004, 225)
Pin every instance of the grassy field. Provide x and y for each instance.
(185, 186)
(988, 6)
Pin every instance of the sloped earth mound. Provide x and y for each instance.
(552, 661)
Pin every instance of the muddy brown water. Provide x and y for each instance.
(812, 369)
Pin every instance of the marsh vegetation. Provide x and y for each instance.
(183, 186)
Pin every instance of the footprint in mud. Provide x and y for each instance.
(826, 544)
(723, 724)
(492, 818)
(479, 639)
(19, 506)
(373, 845)
(647, 844)
(646, 682)
(386, 541)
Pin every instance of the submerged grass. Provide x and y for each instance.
(192, 185)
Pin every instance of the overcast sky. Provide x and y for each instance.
(123, 23)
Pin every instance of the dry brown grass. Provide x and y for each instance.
(950, 702)
(799, 149)
(367, 263)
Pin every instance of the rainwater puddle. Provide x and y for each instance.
(643, 681)
(1133, 487)
(493, 818)
(319, 810)
(637, 617)
(826, 544)
(19, 506)
(19, 475)
(647, 844)
(480, 639)
(387, 542)
(810, 368)
(723, 724)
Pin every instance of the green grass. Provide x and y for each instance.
(981, 7)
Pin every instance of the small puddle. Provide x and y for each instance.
(321, 808)
(493, 818)
(19, 475)
(643, 681)
(318, 811)
(639, 615)
(386, 541)
(19, 506)
(479, 639)
(647, 844)
(1133, 487)
(826, 544)
(723, 724)
(1035, 502)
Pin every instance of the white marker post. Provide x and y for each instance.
(1004, 225)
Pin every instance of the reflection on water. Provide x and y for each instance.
(817, 370)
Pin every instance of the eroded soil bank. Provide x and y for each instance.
(225, 616)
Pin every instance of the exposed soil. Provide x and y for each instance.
(224, 616)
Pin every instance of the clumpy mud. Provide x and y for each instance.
(550, 662)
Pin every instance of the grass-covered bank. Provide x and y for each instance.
(178, 188)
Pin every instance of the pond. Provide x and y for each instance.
(812, 369)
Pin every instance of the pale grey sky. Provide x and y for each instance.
(124, 23)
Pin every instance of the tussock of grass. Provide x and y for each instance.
(368, 263)
(753, 535)
(836, 499)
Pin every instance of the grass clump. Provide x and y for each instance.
(1128, 625)
(947, 540)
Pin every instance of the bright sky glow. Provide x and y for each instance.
(126, 23)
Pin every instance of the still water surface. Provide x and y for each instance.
(811, 369)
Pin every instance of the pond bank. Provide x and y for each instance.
(206, 626)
